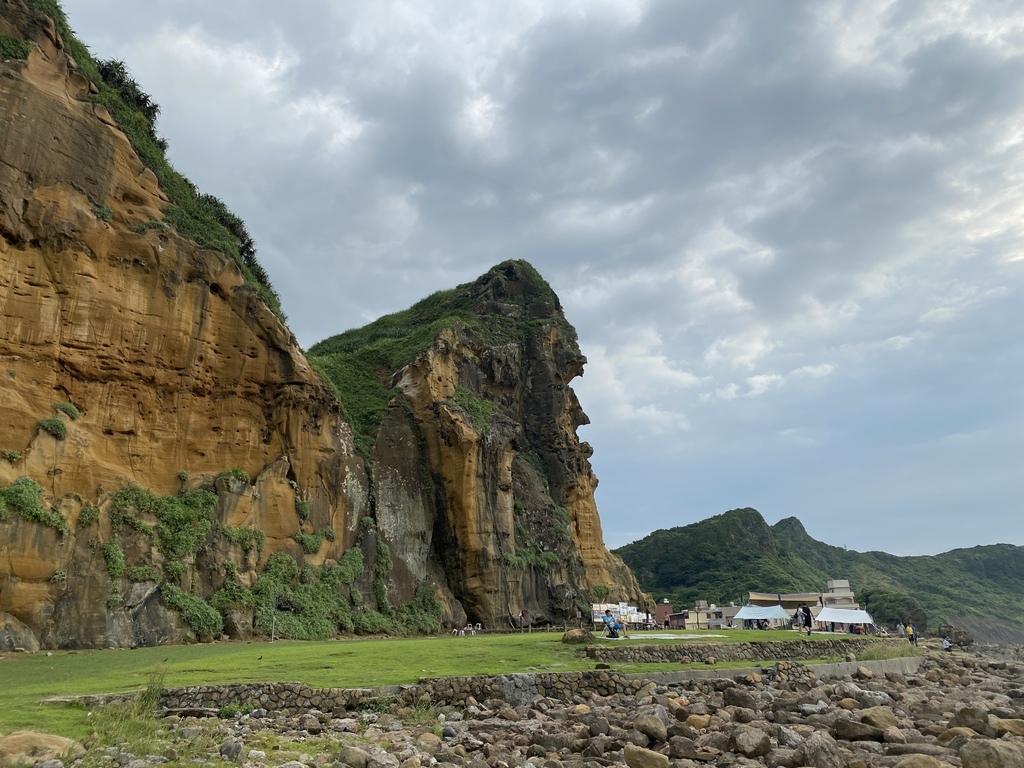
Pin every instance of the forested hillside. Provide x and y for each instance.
(724, 557)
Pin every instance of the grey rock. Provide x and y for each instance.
(984, 753)
(231, 750)
(353, 756)
(820, 750)
(750, 741)
(652, 727)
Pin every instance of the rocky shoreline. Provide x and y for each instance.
(961, 710)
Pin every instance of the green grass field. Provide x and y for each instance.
(26, 679)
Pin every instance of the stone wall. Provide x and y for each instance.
(293, 698)
(768, 650)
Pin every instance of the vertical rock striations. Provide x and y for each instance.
(172, 466)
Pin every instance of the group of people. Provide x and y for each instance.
(909, 631)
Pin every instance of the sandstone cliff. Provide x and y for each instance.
(195, 458)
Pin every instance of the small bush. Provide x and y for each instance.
(233, 710)
(183, 476)
(114, 556)
(200, 615)
(302, 509)
(142, 573)
(68, 409)
(235, 473)
(350, 566)
(55, 427)
(22, 496)
(103, 212)
(88, 516)
(329, 533)
(380, 594)
(59, 575)
(14, 48)
(147, 225)
(233, 594)
(310, 542)
(368, 622)
(247, 538)
(174, 569)
(10, 456)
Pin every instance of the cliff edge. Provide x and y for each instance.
(173, 467)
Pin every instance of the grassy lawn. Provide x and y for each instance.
(25, 679)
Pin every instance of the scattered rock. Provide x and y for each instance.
(638, 757)
(577, 636)
(27, 747)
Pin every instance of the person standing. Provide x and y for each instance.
(911, 636)
(901, 631)
(805, 609)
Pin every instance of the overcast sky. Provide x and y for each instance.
(789, 234)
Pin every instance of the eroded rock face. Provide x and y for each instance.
(176, 366)
(182, 373)
(514, 482)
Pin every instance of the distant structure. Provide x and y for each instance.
(662, 611)
(790, 601)
(840, 595)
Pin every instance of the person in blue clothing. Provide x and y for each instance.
(612, 625)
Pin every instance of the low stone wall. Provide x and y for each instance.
(294, 698)
(768, 650)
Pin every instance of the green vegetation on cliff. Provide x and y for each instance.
(358, 363)
(201, 218)
(724, 557)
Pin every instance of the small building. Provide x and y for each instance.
(840, 595)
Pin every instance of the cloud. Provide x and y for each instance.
(769, 221)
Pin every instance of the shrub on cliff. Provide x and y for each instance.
(54, 426)
(14, 48)
(204, 619)
(68, 409)
(22, 496)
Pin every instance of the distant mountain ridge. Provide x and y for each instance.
(724, 557)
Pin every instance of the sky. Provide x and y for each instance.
(789, 234)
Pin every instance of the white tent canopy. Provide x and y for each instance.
(844, 616)
(756, 612)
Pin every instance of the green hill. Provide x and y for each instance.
(724, 557)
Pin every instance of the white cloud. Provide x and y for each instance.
(758, 215)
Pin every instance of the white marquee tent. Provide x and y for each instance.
(844, 616)
(756, 612)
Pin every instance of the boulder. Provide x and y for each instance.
(638, 757)
(974, 718)
(1014, 727)
(986, 753)
(750, 741)
(880, 717)
(30, 747)
(652, 727)
(577, 636)
(820, 750)
(16, 635)
(921, 761)
(851, 730)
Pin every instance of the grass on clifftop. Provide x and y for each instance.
(356, 362)
(29, 678)
(202, 218)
